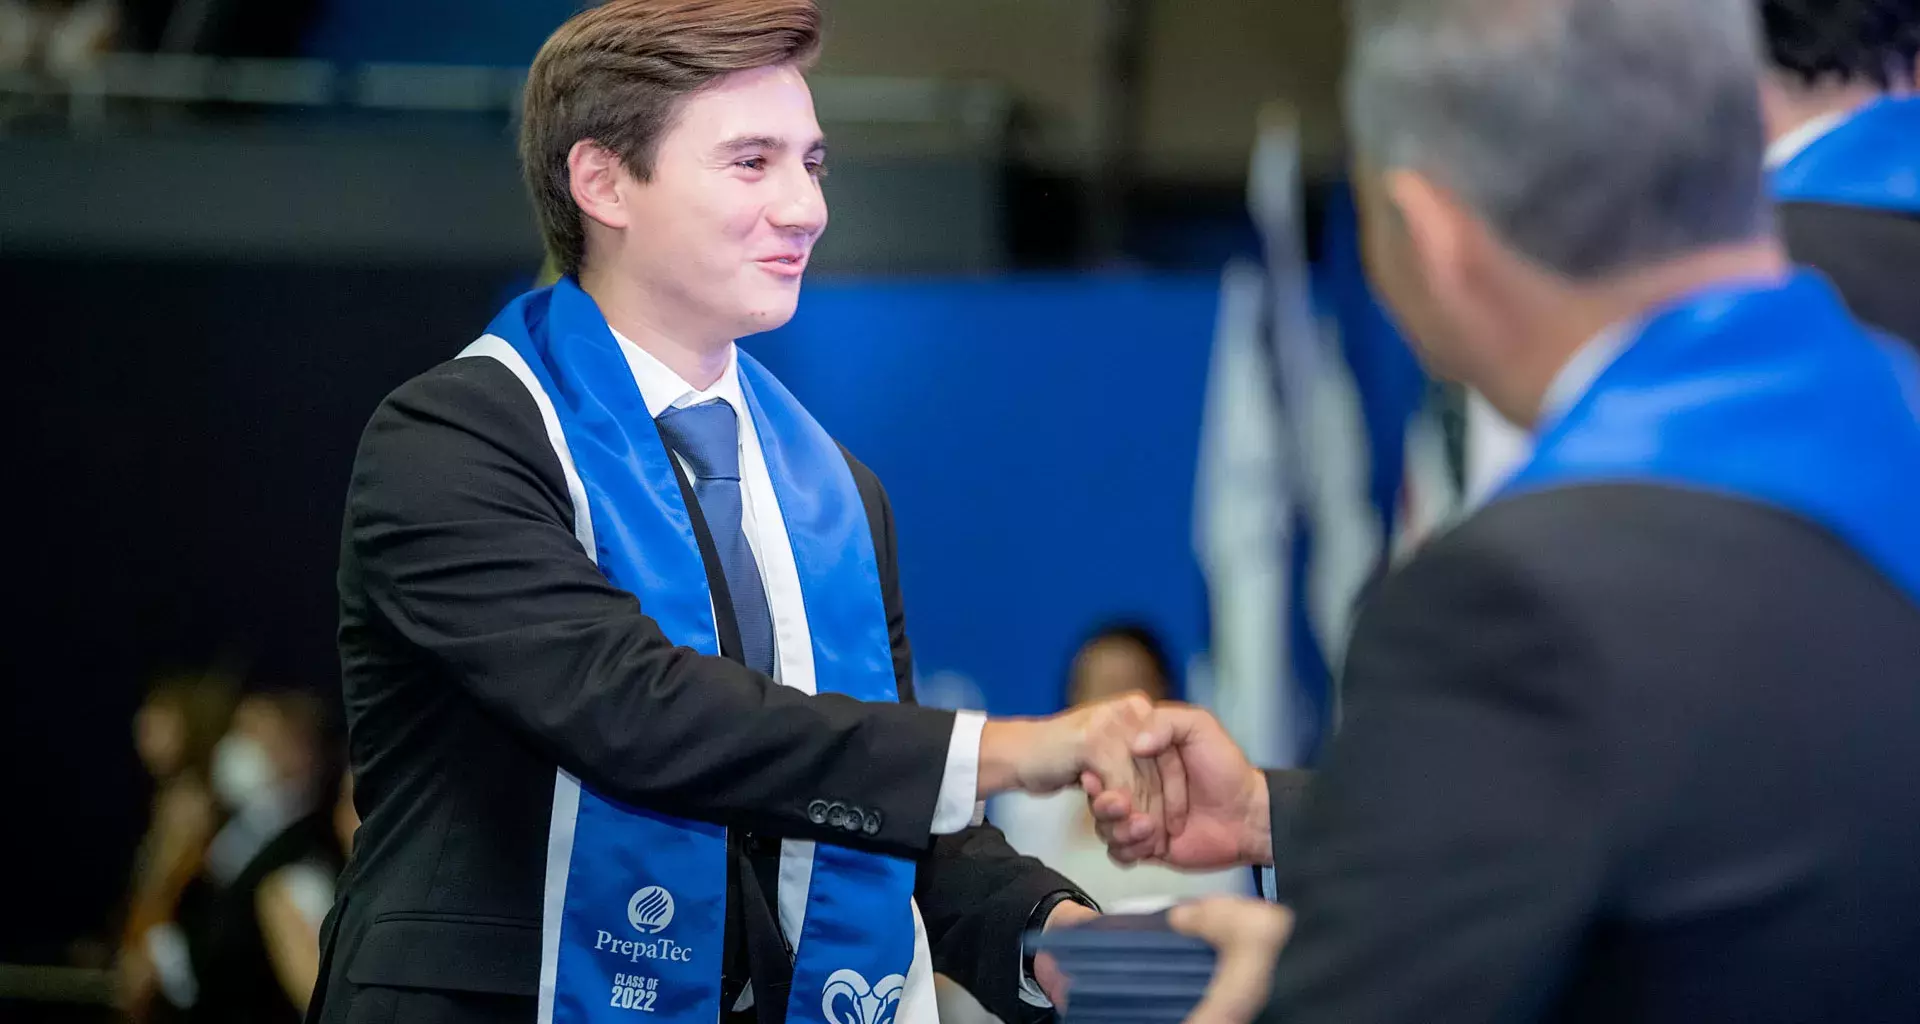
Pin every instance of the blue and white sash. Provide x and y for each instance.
(1767, 392)
(1871, 160)
(636, 900)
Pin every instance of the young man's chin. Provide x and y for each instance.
(768, 316)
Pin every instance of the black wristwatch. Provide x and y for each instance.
(1038, 920)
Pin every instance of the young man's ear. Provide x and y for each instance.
(595, 176)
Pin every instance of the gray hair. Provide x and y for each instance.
(1592, 135)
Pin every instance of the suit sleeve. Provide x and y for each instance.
(462, 531)
(1449, 854)
(977, 895)
(1285, 789)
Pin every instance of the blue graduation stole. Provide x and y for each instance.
(1767, 392)
(636, 899)
(1870, 160)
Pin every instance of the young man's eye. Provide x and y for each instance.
(818, 170)
(752, 163)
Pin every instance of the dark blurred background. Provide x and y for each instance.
(228, 227)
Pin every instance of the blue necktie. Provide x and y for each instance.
(708, 437)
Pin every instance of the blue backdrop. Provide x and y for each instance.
(1038, 438)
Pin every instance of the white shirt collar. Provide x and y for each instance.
(1795, 142)
(663, 389)
(1577, 376)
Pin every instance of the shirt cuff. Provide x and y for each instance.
(956, 807)
(1030, 991)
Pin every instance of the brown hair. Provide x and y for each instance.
(205, 706)
(616, 74)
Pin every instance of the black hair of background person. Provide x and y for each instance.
(188, 427)
(1140, 635)
(1874, 41)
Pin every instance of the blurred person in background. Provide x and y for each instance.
(1636, 740)
(251, 920)
(61, 38)
(174, 733)
(1058, 829)
(346, 817)
(293, 900)
(1844, 122)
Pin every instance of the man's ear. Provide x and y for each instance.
(1439, 231)
(595, 176)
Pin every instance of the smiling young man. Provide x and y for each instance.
(627, 680)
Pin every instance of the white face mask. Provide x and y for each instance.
(242, 771)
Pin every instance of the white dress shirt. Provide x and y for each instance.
(955, 808)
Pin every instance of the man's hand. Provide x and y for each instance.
(1227, 814)
(1248, 935)
(1091, 746)
(1045, 971)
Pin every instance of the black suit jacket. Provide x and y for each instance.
(1617, 753)
(481, 648)
(1872, 257)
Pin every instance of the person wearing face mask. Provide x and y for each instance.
(252, 918)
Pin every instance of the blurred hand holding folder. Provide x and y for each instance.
(1128, 969)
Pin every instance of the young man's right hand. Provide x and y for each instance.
(1092, 746)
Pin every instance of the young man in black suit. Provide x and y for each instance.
(627, 680)
(1844, 154)
(1636, 740)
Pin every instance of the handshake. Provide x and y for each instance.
(1166, 785)
(1165, 782)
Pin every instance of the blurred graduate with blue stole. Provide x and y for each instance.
(1845, 153)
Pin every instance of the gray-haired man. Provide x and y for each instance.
(1636, 741)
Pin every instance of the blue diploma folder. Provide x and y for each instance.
(1128, 969)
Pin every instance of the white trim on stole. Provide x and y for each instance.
(566, 788)
(917, 1004)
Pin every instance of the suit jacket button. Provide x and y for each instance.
(872, 824)
(837, 814)
(817, 812)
